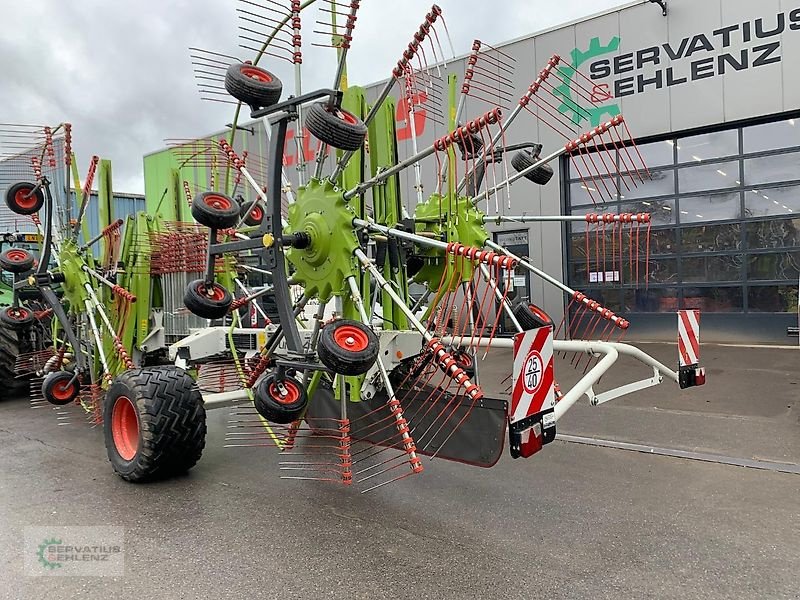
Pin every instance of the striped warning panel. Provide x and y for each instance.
(689, 337)
(533, 390)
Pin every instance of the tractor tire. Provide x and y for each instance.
(280, 408)
(17, 317)
(255, 216)
(526, 158)
(16, 260)
(348, 347)
(213, 305)
(215, 210)
(59, 389)
(154, 423)
(11, 346)
(531, 316)
(336, 127)
(253, 85)
(24, 198)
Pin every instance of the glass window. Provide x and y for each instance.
(656, 270)
(651, 300)
(766, 202)
(708, 177)
(657, 154)
(583, 164)
(772, 136)
(712, 268)
(709, 146)
(662, 212)
(713, 299)
(772, 298)
(662, 241)
(774, 266)
(715, 207)
(711, 238)
(593, 192)
(776, 233)
(660, 183)
(772, 169)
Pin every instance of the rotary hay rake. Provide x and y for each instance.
(356, 381)
(362, 395)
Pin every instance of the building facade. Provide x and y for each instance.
(709, 92)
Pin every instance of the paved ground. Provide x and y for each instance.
(576, 521)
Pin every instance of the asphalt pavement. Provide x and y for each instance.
(575, 521)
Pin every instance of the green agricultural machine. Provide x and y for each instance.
(355, 377)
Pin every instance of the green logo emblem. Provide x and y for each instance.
(43, 556)
(595, 114)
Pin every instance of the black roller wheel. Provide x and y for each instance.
(531, 316)
(17, 317)
(60, 388)
(280, 401)
(527, 158)
(154, 423)
(255, 216)
(470, 146)
(12, 344)
(215, 210)
(16, 260)
(348, 347)
(336, 127)
(208, 302)
(24, 198)
(466, 361)
(253, 85)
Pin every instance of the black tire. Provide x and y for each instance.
(154, 423)
(11, 346)
(470, 146)
(348, 347)
(531, 316)
(58, 388)
(277, 407)
(16, 260)
(336, 127)
(466, 361)
(526, 158)
(208, 306)
(20, 199)
(253, 85)
(17, 317)
(255, 216)
(215, 210)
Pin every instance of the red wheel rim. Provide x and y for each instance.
(125, 428)
(292, 393)
(18, 314)
(255, 73)
(215, 292)
(351, 338)
(539, 313)
(63, 390)
(17, 256)
(24, 199)
(346, 117)
(256, 214)
(217, 201)
(465, 360)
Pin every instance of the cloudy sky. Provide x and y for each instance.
(120, 71)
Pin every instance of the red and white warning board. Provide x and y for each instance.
(534, 385)
(689, 337)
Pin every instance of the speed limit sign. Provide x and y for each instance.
(534, 385)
